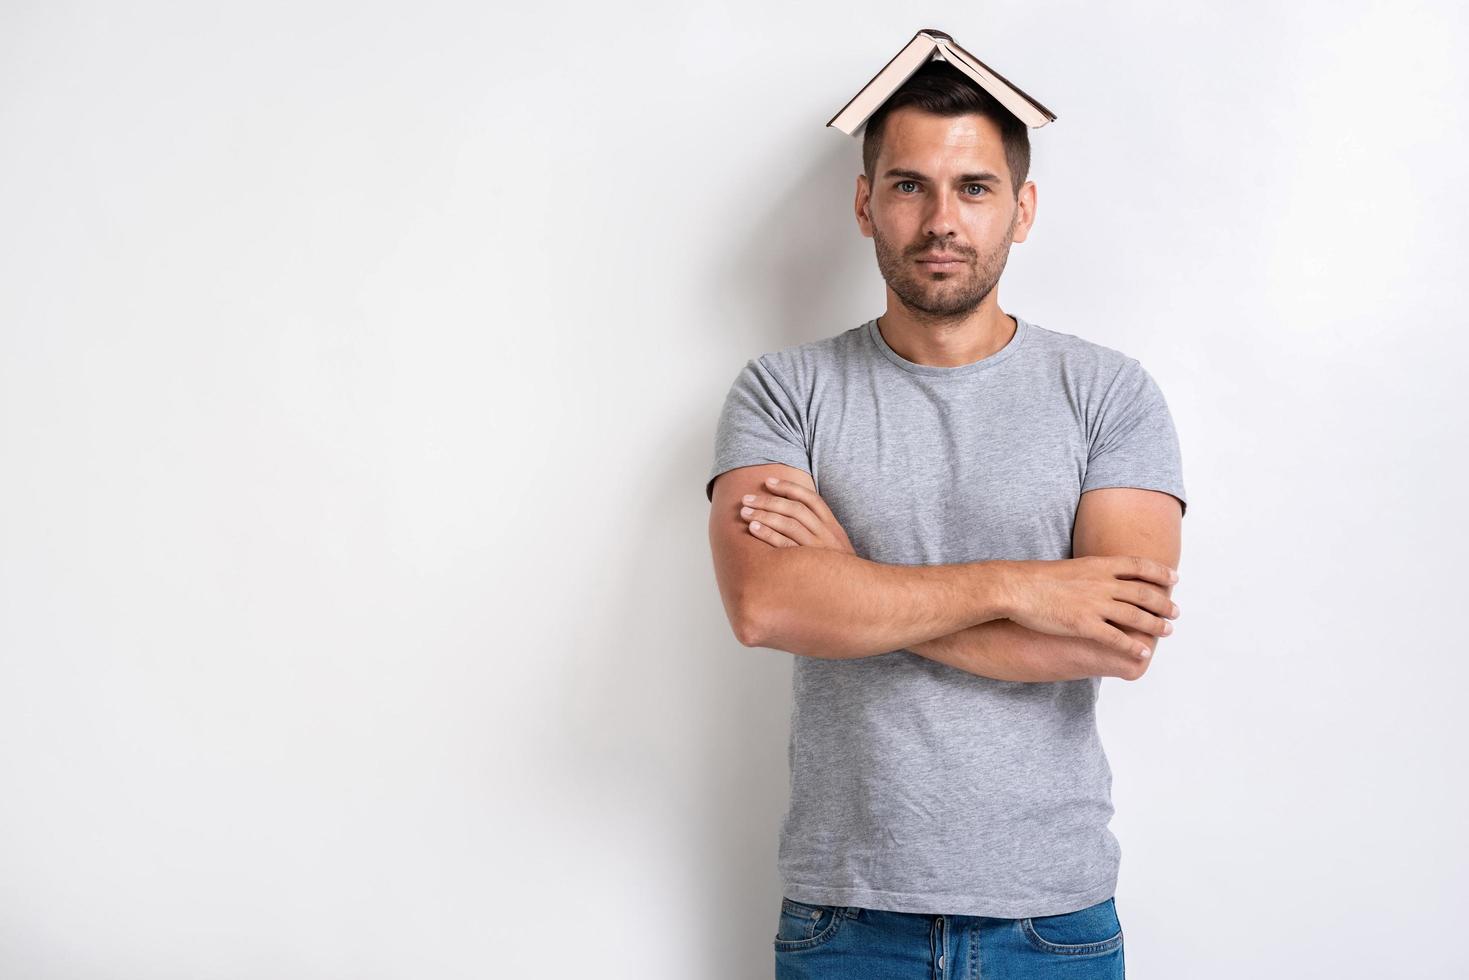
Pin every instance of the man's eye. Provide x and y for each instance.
(981, 187)
(902, 182)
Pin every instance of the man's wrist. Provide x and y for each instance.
(994, 590)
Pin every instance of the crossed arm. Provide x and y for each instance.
(836, 604)
(1110, 521)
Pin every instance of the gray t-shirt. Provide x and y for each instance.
(915, 786)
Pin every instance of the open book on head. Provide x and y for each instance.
(933, 45)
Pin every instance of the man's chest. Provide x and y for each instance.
(920, 481)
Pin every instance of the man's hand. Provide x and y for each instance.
(1086, 596)
(788, 515)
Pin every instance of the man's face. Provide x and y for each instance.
(942, 189)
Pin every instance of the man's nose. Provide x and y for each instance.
(940, 218)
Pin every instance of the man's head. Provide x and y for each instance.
(945, 169)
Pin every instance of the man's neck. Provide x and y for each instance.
(952, 343)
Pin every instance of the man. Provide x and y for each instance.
(973, 520)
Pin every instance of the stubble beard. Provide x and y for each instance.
(958, 292)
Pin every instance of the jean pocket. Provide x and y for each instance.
(1094, 929)
(805, 926)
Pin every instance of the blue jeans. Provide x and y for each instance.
(827, 942)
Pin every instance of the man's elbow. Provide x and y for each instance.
(775, 628)
(746, 629)
(759, 617)
(744, 617)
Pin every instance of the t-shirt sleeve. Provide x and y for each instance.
(760, 423)
(1134, 443)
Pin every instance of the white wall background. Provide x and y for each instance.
(359, 370)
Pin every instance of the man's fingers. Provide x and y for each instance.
(770, 536)
(1119, 641)
(805, 495)
(802, 505)
(795, 530)
(1126, 614)
(1134, 566)
(1146, 596)
(773, 507)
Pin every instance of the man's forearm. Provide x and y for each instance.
(824, 603)
(1007, 651)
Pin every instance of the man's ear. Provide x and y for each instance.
(1026, 201)
(866, 210)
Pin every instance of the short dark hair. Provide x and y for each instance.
(940, 88)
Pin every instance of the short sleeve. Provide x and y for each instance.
(760, 423)
(1133, 442)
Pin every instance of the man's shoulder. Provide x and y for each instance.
(800, 361)
(1077, 351)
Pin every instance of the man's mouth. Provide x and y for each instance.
(941, 262)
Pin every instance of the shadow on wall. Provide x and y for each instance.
(678, 744)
